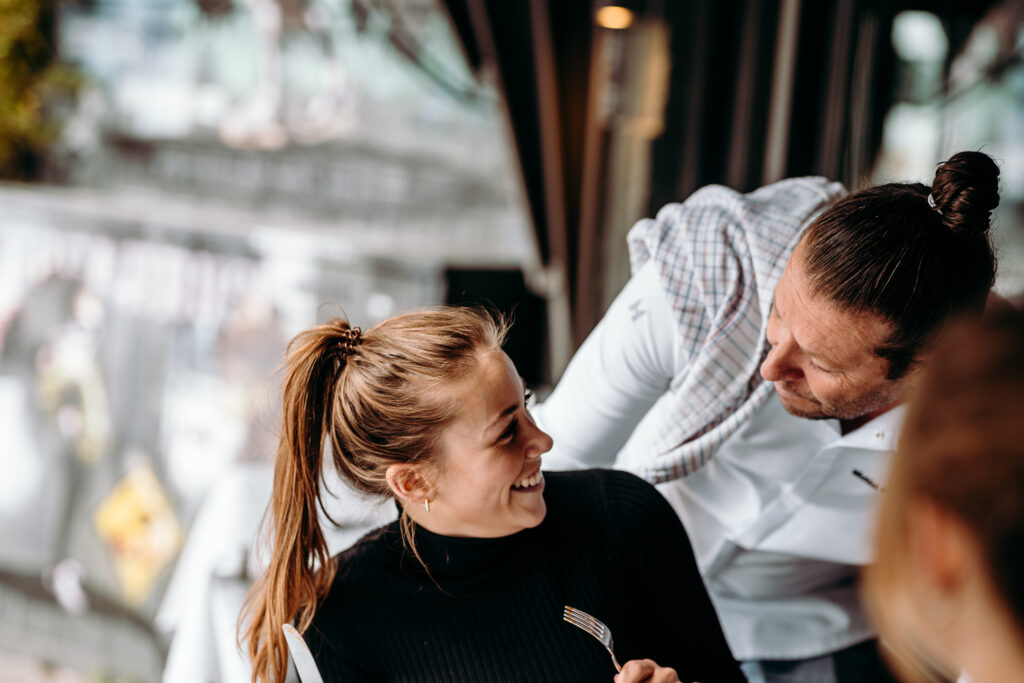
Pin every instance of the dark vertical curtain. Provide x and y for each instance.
(759, 90)
(766, 89)
(540, 54)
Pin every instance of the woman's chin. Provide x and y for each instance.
(535, 514)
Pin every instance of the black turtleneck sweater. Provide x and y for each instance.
(609, 545)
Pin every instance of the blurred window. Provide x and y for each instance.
(973, 99)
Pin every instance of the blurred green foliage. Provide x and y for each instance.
(31, 79)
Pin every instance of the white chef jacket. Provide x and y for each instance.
(778, 520)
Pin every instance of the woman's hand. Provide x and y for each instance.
(646, 671)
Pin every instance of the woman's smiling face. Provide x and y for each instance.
(489, 484)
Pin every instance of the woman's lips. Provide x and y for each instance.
(530, 483)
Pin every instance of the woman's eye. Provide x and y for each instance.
(511, 431)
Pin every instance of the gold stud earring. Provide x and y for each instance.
(426, 504)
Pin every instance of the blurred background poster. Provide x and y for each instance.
(185, 184)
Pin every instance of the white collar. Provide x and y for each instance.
(878, 434)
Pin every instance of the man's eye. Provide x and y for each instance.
(529, 398)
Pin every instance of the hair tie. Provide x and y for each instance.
(931, 204)
(348, 340)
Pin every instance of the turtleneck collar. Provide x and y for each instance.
(465, 560)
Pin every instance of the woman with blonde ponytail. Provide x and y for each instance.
(470, 582)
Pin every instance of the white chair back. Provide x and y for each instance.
(305, 666)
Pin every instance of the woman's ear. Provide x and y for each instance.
(407, 482)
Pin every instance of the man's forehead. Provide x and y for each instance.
(822, 328)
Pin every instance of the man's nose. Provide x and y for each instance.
(778, 365)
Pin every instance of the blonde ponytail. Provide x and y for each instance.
(374, 395)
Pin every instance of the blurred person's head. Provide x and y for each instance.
(872, 281)
(424, 408)
(947, 586)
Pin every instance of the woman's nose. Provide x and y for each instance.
(540, 442)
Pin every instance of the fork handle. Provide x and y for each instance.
(615, 661)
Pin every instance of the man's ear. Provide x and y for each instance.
(407, 482)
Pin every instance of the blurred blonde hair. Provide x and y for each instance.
(379, 401)
(962, 449)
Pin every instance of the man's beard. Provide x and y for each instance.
(853, 409)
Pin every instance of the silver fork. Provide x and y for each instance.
(594, 627)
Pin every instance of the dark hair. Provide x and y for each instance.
(887, 250)
(961, 448)
(377, 398)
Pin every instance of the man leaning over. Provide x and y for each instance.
(754, 368)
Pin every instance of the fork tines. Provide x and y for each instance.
(594, 627)
(584, 621)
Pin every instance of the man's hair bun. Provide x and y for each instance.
(965, 191)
